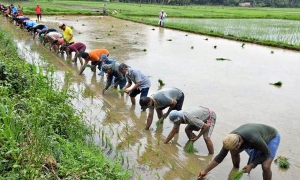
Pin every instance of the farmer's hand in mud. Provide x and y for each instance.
(248, 168)
(201, 175)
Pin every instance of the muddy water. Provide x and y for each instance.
(237, 90)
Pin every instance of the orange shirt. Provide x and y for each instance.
(96, 54)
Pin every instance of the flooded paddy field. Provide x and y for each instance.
(237, 90)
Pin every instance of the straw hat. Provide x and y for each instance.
(230, 141)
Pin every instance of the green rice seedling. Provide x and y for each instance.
(121, 91)
(72, 27)
(144, 50)
(172, 165)
(158, 176)
(161, 83)
(186, 35)
(158, 141)
(114, 47)
(138, 149)
(82, 24)
(206, 39)
(108, 34)
(137, 33)
(243, 45)
(79, 33)
(283, 162)
(272, 52)
(102, 135)
(215, 47)
(106, 141)
(139, 176)
(222, 59)
(169, 39)
(127, 160)
(112, 26)
(278, 83)
(119, 136)
(159, 122)
(238, 175)
(96, 38)
(192, 47)
(153, 29)
(190, 147)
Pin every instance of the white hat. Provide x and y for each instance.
(175, 116)
(162, 10)
(60, 24)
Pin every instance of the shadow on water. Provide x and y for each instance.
(238, 91)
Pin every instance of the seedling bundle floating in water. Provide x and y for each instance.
(238, 175)
(223, 59)
(278, 83)
(161, 83)
(190, 147)
(283, 162)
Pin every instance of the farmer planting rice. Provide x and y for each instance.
(78, 48)
(168, 97)
(197, 119)
(105, 60)
(94, 56)
(258, 140)
(67, 33)
(141, 82)
(114, 76)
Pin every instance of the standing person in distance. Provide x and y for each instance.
(67, 33)
(162, 18)
(38, 12)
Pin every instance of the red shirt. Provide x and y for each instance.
(38, 10)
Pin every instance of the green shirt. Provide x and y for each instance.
(255, 136)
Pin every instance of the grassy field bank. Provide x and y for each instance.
(41, 135)
(144, 12)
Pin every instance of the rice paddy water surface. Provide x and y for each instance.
(237, 90)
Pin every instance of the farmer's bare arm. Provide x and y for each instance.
(203, 130)
(83, 67)
(149, 119)
(171, 135)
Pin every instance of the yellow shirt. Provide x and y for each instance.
(67, 34)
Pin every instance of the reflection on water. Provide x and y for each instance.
(238, 91)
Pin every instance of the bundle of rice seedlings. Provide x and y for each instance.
(159, 122)
(283, 162)
(238, 175)
(161, 83)
(278, 83)
(190, 147)
(121, 91)
(222, 59)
